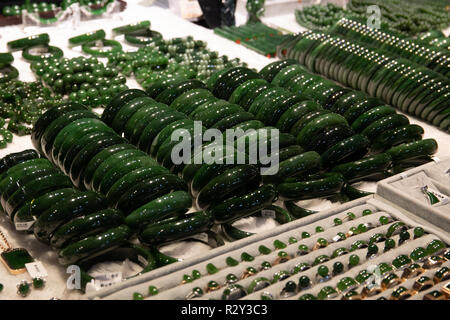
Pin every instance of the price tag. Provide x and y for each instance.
(24, 226)
(268, 213)
(201, 237)
(107, 279)
(36, 270)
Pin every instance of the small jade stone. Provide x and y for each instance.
(435, 246)
(152, 291)
(384, 220)
(401, 261)
(302, 250)
(366, 212)
(338, 267)
(138, 296)
(187, 278)
(211, 269)
(304, 282)
(279, 244)
(265, 265)
(351, 215)
(362, 276)
(38, 283)
(196, 274)
(337, 222)
(321, 259)
(372, 249)
(319, 229)
(247, 257)
(231, 262)
(290, 286)
(362, 228)
(251, 270)
(353, 260)
(264, 250)
(389, 244)
(404, 236)
(292, 240)
(322, 242)
(305, 235)
(384, 267)
(323, 271)
(418, 232)
(231, 278)
(418, 253)
(283, 254)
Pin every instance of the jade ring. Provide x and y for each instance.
(234, 292)
(258, 284)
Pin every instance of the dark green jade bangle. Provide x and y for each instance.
(41, 52)
(87, 37)
(6, 58)
(143, 37)
(8, 73)
(133, 27)
(19, 44)
(107, 46)
(135, 253)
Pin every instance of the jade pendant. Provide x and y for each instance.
(15, 260)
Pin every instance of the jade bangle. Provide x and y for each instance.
(133, 27)
(143, 37)
(6, 58)
(88, 47)
(42, 52)
(8, 73)
(19, 44)
(87, 37)
(99, 11)
(138, 254)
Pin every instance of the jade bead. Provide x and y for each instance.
(366, 212)
(372, 249)
(361, 228)
(353, 260)
(338, 267)
(337, 222)
(265, 265)
(138, 296)
(231, 278)
(211, 269)
(304, 282)
(418, 232)
(351, 216)
(319, 229)
(38, 283)
(323, 271)
(152, 291)
(292, 240)
(279, 244)
(418, 254)
(435, 246)
(322, 242)
(247, 257)
(339, 237)
(264, 250)
(187, 278)
(389, 244)
(196, 274)
(305, 235)
(231, 262)
(302, 250)
(401, 261)
(384, 220)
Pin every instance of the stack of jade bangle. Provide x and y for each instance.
(360, 253)
(399, 82)
(255, 36)
(78, 224)
(35, 48)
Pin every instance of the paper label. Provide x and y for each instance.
(107, 279)
(201, 237)
(24, 226)
(36, 270)
(434, 197)
(268, 213)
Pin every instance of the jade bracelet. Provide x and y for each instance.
(133, 27)
(143, 37)
(19, 44)
(6, 58)
(87, 37)
(100, 52)
(8, 73)
(41, 52)
(135, 253)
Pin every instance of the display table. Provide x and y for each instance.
(170, 26)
